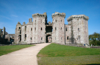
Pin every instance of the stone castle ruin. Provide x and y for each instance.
(6, 38)
(39, 31)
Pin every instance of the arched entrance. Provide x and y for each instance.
(48, 38)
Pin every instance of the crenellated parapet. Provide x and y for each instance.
(24, 23)
(18, 23)
(58, 14)
(78, 16)
(39, 15)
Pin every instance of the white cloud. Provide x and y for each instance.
(14, 15)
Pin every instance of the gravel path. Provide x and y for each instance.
(26, 56)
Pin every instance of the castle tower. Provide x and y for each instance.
(4, 30)
(24, 32)
(39, 21)
(79, 29)
(58, 28)
(18, 33)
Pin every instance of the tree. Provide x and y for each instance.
(94, 39)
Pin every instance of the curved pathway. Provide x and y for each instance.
(26, 56)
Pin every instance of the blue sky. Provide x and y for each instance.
(12, 11)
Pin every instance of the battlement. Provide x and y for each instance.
(18, 23)
(78, 16)
(39, 15)
(58, 14)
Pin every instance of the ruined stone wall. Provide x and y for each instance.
(17, 33)
(35, 32)
(29, 34)
(68, 34)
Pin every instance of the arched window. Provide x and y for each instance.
(61, 20)
(61, 28)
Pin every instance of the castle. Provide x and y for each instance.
(39, 31)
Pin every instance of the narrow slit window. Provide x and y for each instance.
(20, 31)
(78, 29)
(56, 20)
(41, 38)
(79, 37)
(25, 28)
(31, 38)
(19, 28)
(25, 37)
(61, 28)
(41, 28)
(31, 29)
(66, 29)
(67, 37)
(55, 28)
(35, 28)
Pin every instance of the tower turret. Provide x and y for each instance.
(79, 28)
(58, 28)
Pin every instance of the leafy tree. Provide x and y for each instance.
(94, 39)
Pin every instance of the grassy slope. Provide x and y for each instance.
(55, 54)
(8, 49)
(56, 50)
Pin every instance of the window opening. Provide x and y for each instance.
(67, 37)
(31, 29)
(41, 28)
(66, 29)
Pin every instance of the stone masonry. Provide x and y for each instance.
(39, 31)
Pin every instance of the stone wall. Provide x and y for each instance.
(68, 34)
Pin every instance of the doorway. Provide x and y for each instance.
(48, 39)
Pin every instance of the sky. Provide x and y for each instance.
(14, 11)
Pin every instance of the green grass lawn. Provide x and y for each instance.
(55, 54)
(11, 48)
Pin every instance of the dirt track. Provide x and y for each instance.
(26, 56)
